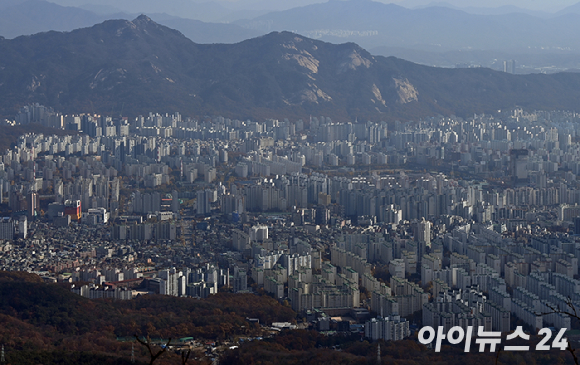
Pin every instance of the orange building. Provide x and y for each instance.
(73, 208)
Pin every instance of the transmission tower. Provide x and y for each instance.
(379, 354)
(132, 353)
(2, 357)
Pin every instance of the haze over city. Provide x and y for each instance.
(289, 182)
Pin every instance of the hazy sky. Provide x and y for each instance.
(544, 5)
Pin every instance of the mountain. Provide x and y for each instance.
(499, 10)
(208, 11)
(432, 30)
(9, 3)
(34, 16)
(572, 9)
(268, 5)
(140, 66)
(204, 10)
(373, 24)
(202, 32)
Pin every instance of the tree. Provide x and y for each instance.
(572, 312)
(155, 356)
(185, 356)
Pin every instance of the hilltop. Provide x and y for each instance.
(139, 66)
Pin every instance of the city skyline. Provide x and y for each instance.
(291, 197)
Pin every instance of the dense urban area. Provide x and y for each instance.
(371, 227)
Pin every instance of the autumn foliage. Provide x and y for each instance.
(37, 317)
(311, 347)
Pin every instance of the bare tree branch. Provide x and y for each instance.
(148, 345)
(573, 352)
(572, 313)
(185, 357)
(570, 304)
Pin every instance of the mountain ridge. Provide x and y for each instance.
(399, 26)
(141, 66)
(35, 16)
(434, 29)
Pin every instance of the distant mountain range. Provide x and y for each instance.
(140, 66)
(500, 10)
(572, 9)
(438, 34)
(373, 24)
(34, 16)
